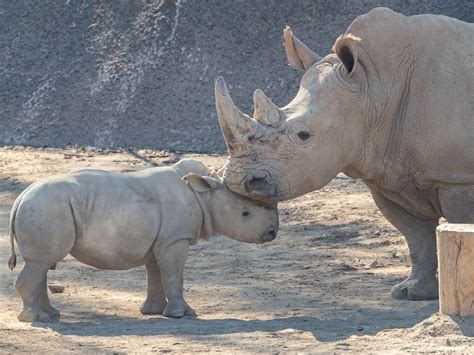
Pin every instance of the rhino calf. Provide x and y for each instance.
(120, 221)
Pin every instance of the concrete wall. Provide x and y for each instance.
(141, 73)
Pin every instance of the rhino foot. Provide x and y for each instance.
(152, 307)
(416, 289)
(30, 315)
(190, 312)
(178, 310)
(53, 312)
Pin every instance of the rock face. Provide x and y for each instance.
(141, 73)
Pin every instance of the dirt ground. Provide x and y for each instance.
(322, 286)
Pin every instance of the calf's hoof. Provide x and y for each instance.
(149, 308)
(416, 289)
(178, 310)
(30, 315)
(190, 312)
(174, 310)
(53, 312)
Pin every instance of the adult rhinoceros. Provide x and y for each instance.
(392, 105)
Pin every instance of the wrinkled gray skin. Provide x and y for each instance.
(392, 105)
(120, 221)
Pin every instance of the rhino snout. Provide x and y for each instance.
(258, 183)
(270, 235)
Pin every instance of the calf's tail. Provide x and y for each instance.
(12, 260)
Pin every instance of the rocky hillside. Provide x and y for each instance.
(140, 73)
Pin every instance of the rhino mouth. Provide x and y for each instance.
(265, 197)
(269, 236)
(260, 191)
(265, 191)
(260, 184)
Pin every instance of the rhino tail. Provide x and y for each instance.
(12, 259)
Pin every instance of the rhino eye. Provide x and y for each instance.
(246, 213)
(303, 135)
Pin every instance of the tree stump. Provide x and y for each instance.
(456, 269)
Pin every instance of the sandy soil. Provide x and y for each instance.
(323, 285)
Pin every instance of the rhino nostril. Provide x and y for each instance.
(269, 236)
(255, 184)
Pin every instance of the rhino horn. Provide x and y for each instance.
(234, 124)
(266, 111)
(298, 54)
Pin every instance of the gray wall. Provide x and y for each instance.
(141, 73)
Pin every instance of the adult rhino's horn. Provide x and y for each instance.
(235, 125)
(298, 54)
(265, 111)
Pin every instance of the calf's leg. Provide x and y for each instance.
(44, 237)
(171, 263)
(155, 301)
(31, 285)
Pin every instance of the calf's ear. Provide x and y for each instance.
(218, 173)
(200, 183)
(346, 50)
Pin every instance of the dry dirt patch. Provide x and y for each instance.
(323, 285)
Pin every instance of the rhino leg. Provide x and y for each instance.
(420, 235)
(31, 285)
(155, 301)
(457, 203)
(171, 263)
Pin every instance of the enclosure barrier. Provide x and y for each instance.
(456, 269)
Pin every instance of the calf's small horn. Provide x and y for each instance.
(234, 124)
(265, 111)
(298, 54)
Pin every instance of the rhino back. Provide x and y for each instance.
(107, 220)
(134, 212)
(43, 224)
(116, 219)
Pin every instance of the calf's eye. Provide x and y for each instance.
(246, 213)
(303, 135)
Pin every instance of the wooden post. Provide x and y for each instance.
(456, 269)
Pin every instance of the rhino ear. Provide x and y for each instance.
(298, 54)
(218, 173)
(200, 183)
(346, 50)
